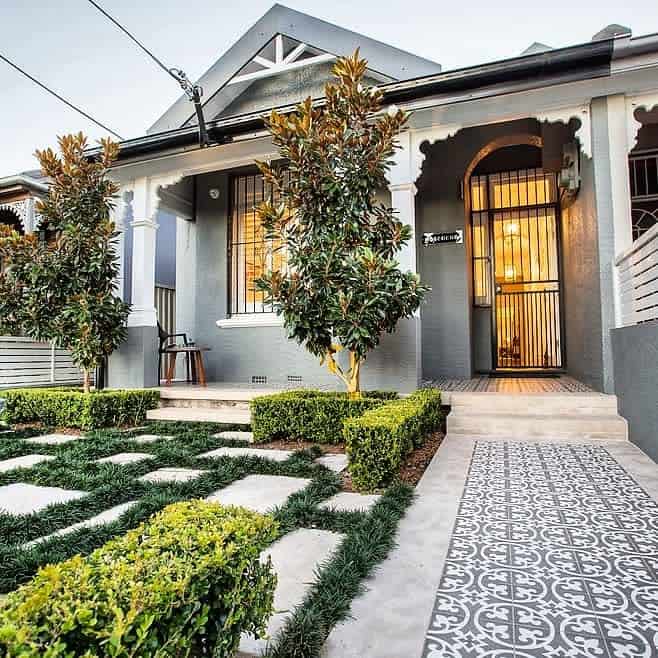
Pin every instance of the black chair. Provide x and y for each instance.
(165, 343)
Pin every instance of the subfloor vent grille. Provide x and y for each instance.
(294, 379)
(258, 379)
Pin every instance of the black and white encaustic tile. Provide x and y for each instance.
(554, 553)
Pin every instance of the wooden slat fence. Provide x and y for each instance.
(24, 362)
(637, 270)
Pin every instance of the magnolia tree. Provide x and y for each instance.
(63, 289)
(342, 287)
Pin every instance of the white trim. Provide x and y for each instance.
(275, 69)
(251, 320)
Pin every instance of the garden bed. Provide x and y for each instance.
(30, 541)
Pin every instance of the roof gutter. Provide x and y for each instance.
(587, 60)
(24, 181)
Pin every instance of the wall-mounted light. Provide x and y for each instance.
(511, 229)
(213, 192)
(510, 273)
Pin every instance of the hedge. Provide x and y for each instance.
(377, 441)
(59, 407)
(315, 416)
(187, 582)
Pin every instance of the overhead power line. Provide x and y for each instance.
(58, 97)
(192, 91)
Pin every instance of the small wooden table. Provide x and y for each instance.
(192, 352)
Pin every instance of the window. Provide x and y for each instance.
(250, 254)
(644, 192)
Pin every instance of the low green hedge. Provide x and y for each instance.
(377, 441)
(59, 407)
(310, 415)
(187, 582)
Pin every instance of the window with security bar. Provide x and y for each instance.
(250, 254)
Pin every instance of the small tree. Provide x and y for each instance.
(342, 288)
(62, 289)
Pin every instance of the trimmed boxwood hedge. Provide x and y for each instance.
(310, 415)
(187, 582)
(377, 441)
(60, 407)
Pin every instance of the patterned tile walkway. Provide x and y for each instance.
(554, 553)
(484, 384)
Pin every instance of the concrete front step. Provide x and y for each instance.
(535, 403)
(227, 415)
(203, 403)
(474, 422)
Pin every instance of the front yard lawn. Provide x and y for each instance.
(117, 490)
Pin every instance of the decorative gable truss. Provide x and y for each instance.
(280, 55)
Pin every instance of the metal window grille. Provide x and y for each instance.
(250, 254)
(643, 175)
(514, 224)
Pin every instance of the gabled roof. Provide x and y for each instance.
(392, 64)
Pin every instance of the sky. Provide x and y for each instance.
(75, 50)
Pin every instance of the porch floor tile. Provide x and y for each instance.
(21, 498)
(260, 493)
(24, 461)
(273, 455)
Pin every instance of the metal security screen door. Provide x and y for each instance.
(517, 212)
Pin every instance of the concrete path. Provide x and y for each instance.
(518, 549)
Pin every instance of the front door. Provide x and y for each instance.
(521, 210)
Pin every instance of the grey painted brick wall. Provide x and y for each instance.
(240, 353)
(635, 353)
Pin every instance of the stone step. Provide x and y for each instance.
(235, 435)
(259, 493)
(195, 414)
(273, 455)
(535, 403)
(203, 403)
(295, 559)
(530, 425)
(346, 501)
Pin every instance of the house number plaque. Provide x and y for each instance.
(454, 237)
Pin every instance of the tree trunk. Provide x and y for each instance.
(354, 384)
(86, 381)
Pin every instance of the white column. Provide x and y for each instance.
(144, 226)
(621, 191)
(186, 277)
(118, 216)
(403, 199)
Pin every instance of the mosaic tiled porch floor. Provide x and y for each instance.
(554, 553)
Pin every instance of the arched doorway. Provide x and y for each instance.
(10, 218)
(514, 209)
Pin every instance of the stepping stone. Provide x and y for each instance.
(107, 516)
(150, 438)
(23, 462)
(122, 458)
(336, 463)
(21, 498)
(135, 429)
(259, 493)
(172, 475)
(295, 559)
(349, 502)
(53, 439)
(273, 455)
(235, 436)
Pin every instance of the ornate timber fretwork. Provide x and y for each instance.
(564, 115)
(281, 55)
(26, 213)
(645, 102)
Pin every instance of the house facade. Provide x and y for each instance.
(530, 185)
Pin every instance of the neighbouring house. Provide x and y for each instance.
(24, 362)
(530, 184)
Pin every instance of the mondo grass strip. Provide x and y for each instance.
(370, 536)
